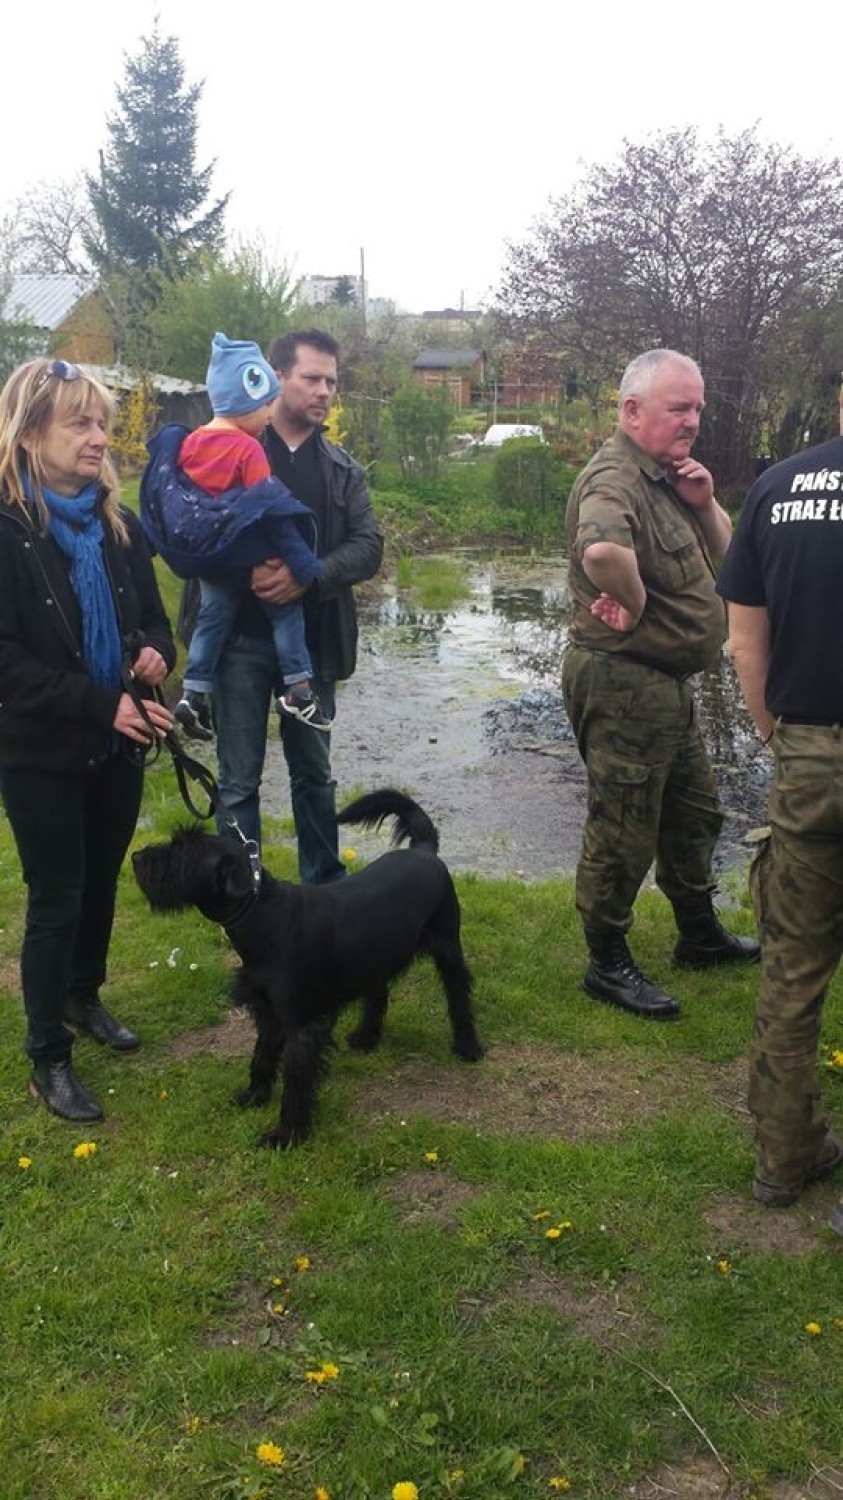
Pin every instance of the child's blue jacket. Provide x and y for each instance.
(200, 535)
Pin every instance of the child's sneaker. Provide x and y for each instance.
(301, 703)
(193, 713)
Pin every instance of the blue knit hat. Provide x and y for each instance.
(239, 380)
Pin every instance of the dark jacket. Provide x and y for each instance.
(351, 548)
(200, 535)
(52, 714)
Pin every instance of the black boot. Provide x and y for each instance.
(704, 941)
(613, 975)
(63, 1094)
(93, 1018)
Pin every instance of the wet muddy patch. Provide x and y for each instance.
(462, 707)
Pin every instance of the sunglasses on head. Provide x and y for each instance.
(59, 369)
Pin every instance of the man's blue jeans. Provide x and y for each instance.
(244, 684)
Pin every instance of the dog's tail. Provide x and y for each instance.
(411, 821)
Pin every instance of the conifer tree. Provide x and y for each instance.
(150, 202)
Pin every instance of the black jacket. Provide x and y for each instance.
(351, 547)
(52, 714)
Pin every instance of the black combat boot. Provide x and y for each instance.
(704, 941)
(63, 1094)
(92, 1017)
(613, 975)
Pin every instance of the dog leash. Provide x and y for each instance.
(186, 767)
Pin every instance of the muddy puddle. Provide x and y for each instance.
(462, 707)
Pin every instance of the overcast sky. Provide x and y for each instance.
(426, 135)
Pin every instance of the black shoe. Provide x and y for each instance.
(193, 713)
(302, 703)
(63, 1094)
(614, 976)
(95, 1021)
(703, 940)
(781, 1195)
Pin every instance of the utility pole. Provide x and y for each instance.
(363, 289)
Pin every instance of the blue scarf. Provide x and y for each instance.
(77, 528)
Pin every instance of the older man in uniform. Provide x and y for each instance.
(644, 530)
(782, 579)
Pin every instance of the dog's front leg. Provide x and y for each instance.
(365, 1036)
(305, 1061)
(264, 1064)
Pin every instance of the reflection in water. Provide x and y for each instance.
(504, 643)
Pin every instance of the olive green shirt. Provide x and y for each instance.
(624, 496)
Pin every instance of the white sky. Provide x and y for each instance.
(425, 134)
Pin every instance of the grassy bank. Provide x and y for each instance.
(540, 1273)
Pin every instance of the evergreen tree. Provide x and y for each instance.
(149, 200)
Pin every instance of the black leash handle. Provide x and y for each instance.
(186, 767)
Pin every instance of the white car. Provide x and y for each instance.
(502, 432)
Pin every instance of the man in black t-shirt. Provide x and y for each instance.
(783, 580)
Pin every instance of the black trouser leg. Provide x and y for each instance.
(71, 832)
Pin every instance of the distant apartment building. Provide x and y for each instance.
(318, 290)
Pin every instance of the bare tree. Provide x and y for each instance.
(51, 224)
(704, 246)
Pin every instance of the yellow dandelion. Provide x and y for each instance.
(163, 1093)
(315, 1377)
(320, 1493)
(431, 1157)
(24, 1162)
(814, 1329)
(277, 1281)
(456, 1476)
(349, 856)
(566, 1224)
(331, 1372)
(194, 1424)
(836, 1059)
(724, 1267)
(278, 1308)
(302, 1262)
(559, 1483)
(544, 1213)
(270, 1453)
(553, 1234)
(84, 1150)
(405, 1490)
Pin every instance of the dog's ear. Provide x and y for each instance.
(234, 873)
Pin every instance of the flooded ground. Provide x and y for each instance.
(463, 709)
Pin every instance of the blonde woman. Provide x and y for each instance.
(78, 600)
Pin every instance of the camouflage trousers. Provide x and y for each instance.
(796, 883)
(651, 792)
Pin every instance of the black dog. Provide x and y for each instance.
(307, 951)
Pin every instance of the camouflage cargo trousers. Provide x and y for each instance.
(651, 792)
(796, 883)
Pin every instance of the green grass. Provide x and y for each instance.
(148, 1351)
